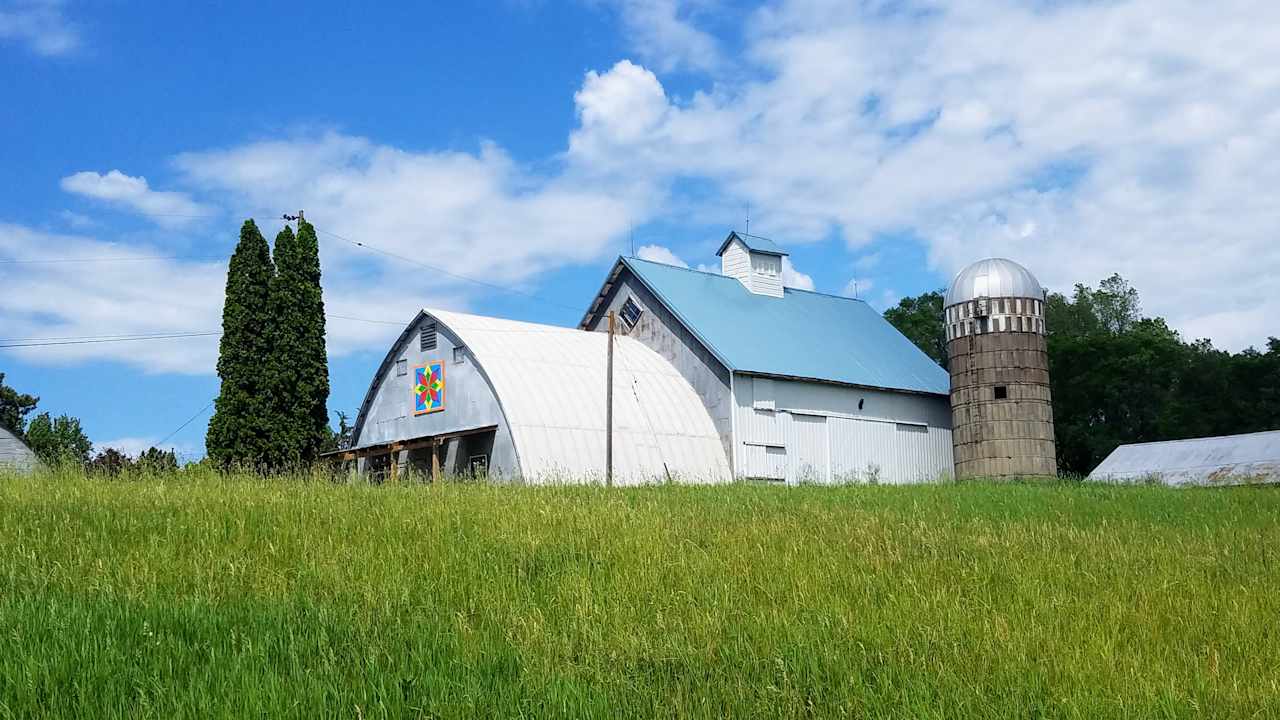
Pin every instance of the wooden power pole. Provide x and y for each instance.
(608, 410)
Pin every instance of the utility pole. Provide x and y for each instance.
(608, 411)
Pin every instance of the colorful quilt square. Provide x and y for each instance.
(428, 388)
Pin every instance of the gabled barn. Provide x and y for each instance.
(801, 386)
(14, 454)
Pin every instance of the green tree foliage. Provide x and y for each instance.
(300, 364)
(59, 440)
(341, 439)
(14, 407)
(240, 432)
(155, 460)
(920, 319)
(112, 462)
(1118, 377)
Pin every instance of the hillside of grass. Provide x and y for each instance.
(195, 596)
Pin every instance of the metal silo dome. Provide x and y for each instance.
(993, 277)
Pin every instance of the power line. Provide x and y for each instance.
(366, 320)
(137, 258)
(169, 336)
(188, 422)
(85, 339)
(436, 268)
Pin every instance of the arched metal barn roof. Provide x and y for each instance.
(550, 382)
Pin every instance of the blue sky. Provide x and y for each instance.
(526, 143)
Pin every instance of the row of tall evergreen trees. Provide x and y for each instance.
(271, 413)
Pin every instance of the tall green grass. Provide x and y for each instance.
(206, 597)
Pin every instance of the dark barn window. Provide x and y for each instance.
(1002, 392)
(630, 313)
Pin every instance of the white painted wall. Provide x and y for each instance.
(766, 274)
(735, 262)
(816, 432)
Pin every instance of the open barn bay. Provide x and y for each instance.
(207, 597)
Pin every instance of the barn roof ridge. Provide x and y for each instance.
(814, 336)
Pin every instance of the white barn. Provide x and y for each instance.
(522, 401)
(801, 386)
(716, 376)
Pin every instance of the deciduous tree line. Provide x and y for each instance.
(271, 412)
(1119, 377)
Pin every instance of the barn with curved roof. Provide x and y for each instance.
(462, 394)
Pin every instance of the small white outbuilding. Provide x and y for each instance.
(1251, 458)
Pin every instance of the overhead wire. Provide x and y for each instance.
(191, 419)
(437, 268)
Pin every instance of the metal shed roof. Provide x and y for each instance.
(550, 382)
(1223, 460)
(754, 243)
(803, 334)
(14, 454)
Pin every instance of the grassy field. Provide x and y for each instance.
(205, 597)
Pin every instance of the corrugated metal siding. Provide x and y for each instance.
(827, 437)
(550, 382)
(14, 454)
(1223, 460)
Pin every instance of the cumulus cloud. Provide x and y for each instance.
(791, 277)
(40, 25)
(475, 214)
(1078, 138)
(660, 254)
(662, 32)
(61, 301)
(134, 193)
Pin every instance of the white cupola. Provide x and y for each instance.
(755, 261)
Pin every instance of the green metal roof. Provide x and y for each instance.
(802, 334)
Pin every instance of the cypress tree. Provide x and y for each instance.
(300, 364)
(240, 430)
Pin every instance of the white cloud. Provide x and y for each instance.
(165, 208)
(40, 25)
(1079, 138)
(73, 301)
(80, 301)
(793, 278)
(660, 254)
(666, 37)
(480, 215)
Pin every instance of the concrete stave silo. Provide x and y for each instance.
(1001, 406)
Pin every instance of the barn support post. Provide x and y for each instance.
(435, 461)
(608, 412)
